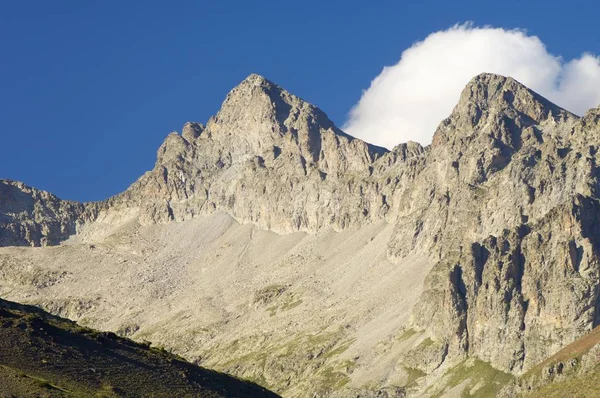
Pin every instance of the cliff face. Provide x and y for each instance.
(516, 182)
(504, 203)
(30, 217)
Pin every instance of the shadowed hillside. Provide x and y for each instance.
(47, 356)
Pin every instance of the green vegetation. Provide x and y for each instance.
(331, 380)
(37, 381)
(480, 378)
(287, 302)
(406, 334)
(338, 350)
(413, 375)
(307, 351)
(425, 343)
(587, 385)
(43, 355)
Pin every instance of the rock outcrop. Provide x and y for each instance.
(518, 272)
(30, 217)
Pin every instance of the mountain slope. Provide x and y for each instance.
(574, 371)
(290, 253)
(292, 312)
(42, 355)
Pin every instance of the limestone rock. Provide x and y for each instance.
(30, 217)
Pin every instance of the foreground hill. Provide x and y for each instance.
(42, 355)
(270, 245)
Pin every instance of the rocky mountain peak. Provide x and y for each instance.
(495, 110)
(257, 102)
(261, 136)
(488, 91)
(259, 117)
(251, 89)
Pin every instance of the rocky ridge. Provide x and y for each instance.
(504, 203)
(30, 217)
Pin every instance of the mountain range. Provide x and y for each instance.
(270, 245)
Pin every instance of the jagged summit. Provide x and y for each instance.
(258, 115)
(274, 103)
(282, 102)
(499, 106)
(262, 135)
(259, 104)
(256, 88)
(488, 90)
(254, 79)
(261, 112)
(248, 89)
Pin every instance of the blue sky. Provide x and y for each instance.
(89, 89)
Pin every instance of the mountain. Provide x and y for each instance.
(45, 356)
(271, 245)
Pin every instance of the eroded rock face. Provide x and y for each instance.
(518, 272)
(268, 158)
(30, 217)
(505, 201)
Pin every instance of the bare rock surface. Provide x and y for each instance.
(30, 217)
(271, 245)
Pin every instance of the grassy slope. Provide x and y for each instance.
(585, 385)
(572, 351)
(47, 356)
(472, 378)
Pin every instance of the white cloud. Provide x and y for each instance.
(408, 100)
